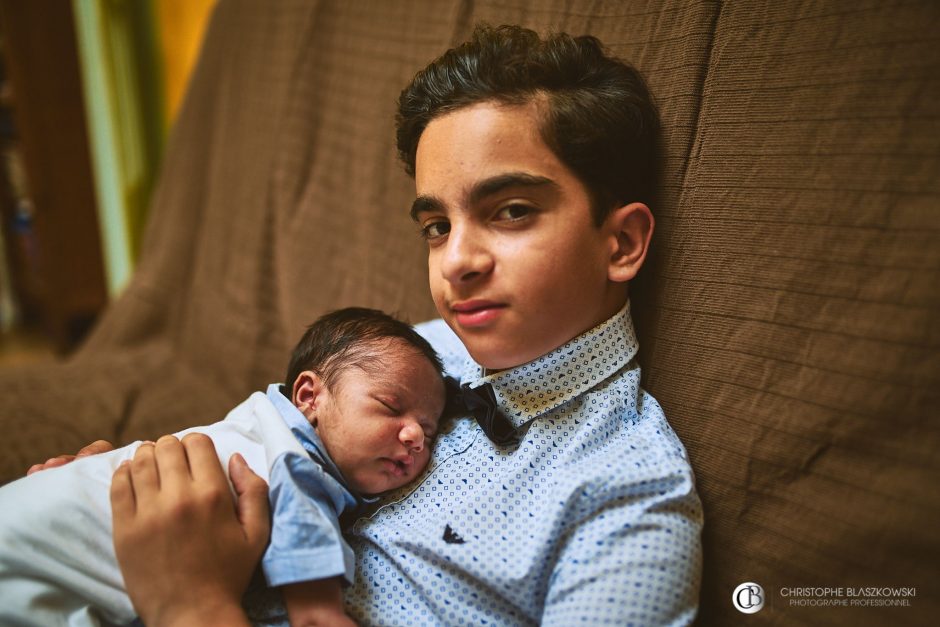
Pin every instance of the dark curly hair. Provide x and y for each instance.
(600, 120)
(348, 338)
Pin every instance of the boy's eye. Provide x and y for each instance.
(433, 230)
(513, 212)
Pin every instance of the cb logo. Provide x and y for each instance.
(748, 598)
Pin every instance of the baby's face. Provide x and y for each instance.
(378, 424)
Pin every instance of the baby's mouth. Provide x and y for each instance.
(395, 467)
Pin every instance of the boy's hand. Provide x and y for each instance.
(185, 549)
(98, 446)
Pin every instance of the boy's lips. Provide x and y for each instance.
(476, 313)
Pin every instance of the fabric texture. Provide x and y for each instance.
(787, 313)
(590, 517)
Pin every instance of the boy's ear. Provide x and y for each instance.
(307, 394)
(630, 228)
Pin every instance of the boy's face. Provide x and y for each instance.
(377, 424)
(517, 266)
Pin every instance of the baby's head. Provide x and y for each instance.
(373, 389)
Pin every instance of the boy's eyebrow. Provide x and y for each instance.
(483, 189)
(500, 182)
(424, 204)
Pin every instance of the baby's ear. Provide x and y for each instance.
(307, 394)
(630, 229)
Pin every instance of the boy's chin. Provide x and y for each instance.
(494, 360)
(493, 352)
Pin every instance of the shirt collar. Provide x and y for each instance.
(298, 423)
(526, 392)
(307, 436)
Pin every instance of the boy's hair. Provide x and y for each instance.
(600, 119)
(348, 338)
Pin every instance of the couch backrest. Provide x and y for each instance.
(282, 195)
(796, 296)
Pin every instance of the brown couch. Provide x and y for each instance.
(788, 315)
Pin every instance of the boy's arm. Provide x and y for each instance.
(319, 602)
(636, 559)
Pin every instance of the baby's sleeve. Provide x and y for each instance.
(306, 542)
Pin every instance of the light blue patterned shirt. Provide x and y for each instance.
(591, 518)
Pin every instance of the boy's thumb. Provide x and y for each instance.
(252, 507)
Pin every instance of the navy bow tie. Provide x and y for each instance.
(481, 403)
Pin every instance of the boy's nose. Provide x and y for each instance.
(465, 257)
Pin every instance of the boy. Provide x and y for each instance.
(533, 163)
(358, 420)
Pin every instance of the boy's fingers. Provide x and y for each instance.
(171, 461)
(123, 501)
(53, 462)
(145, 475)
(204, 465)
(98, 446)
(252, 507)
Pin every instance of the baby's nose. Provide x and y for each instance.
(412, 436)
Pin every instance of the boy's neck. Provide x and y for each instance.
(619, 307)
